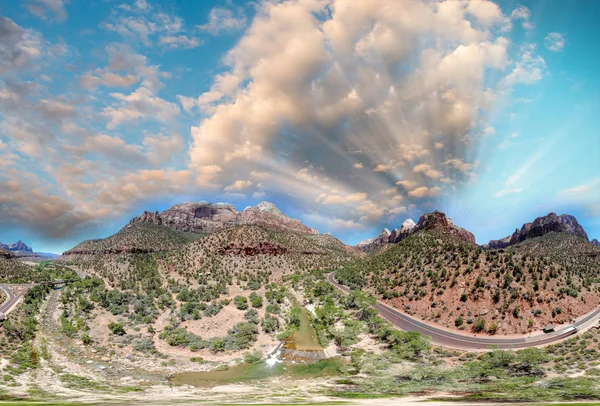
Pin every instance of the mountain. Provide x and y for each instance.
(596, 242)
(207, 217)
(197, 237)
(439, 274)
(428, 221)
(19, 246)
(542, 225)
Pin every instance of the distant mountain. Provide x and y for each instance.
(596, 242)
(428, 221)
(540, 226)
(24, 252)
(18, 246)
(204, 217)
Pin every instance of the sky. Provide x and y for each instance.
(349, 115)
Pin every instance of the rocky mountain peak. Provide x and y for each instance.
(268, 206)
(17, 246)
(596, 242)
(438, 220)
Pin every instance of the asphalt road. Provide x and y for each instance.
(456, 340)
(12, 298)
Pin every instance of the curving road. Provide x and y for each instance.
(456, 340)
(11, 297)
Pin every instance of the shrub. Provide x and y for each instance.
(270, 324)
(241, 302)
(256, 300)
(479, 325)
(459, 321)
(116, 328)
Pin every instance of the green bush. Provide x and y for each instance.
(116, 328)
(256, 300)
(241, 302)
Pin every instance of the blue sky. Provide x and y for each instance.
(351, 116)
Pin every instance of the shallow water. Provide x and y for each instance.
(244, 373)
(305, 339)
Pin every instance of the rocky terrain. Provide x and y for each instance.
(546, 275)
(596, 242)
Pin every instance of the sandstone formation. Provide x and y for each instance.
(542, 225)
(438, 220)
(207, 217)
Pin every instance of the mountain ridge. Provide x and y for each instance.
(202, 217)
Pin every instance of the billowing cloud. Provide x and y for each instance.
(362, 110)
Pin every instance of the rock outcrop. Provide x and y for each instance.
(540, 226)
(400, 234)
(373, 243)
(6, 254)
(207, 217)
(498, 244)
(596, 242)
(438, 221)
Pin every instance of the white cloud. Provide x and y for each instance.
(580, 191)
(223, 20)
(40, 8)
(523, 14)
(179, 41)
(529, 69)
(238, 186)
(141, 105)
(555, 41)
(424, 191)
(428, 171)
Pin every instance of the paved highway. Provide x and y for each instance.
(456, 340)
(12, 297)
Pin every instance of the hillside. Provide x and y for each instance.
(135, 237)
(447, 280)
(12, 270)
